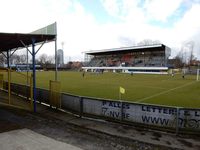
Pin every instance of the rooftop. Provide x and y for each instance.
(123, 49)
(10, 41)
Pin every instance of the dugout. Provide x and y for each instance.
(11, 42)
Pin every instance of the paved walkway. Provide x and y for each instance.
(25, 139)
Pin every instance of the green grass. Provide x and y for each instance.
(153, 89)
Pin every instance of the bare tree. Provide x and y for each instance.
(148, 42)
(2, 59)
(15, 59)
(156, 42)
(178, 61)
(23, 58)
(51, 59)
(45, 61)
(42, 59)
(126, 41)
(191, 55)
(187, 52)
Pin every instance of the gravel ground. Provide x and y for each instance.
(11, 119)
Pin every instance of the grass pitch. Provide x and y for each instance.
(153, 89)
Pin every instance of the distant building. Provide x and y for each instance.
(60, 57)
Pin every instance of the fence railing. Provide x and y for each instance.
(7, 89)
(174, 119)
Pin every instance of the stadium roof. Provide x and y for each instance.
(15, 41)
(125, 49)
(9, 41)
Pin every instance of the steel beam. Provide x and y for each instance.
(34, 75)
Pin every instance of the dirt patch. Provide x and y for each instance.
(168, 143)
(69, 133)
(156, 134)
(8, 126)
(186, 143)
(155, 138)
(122, 130)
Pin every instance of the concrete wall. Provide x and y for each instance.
(132, 112)
(189, 119)
(144, 114)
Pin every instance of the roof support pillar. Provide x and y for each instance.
(56, 69)
(34, 75)
(8, 59)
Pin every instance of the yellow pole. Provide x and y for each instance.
(1, 81)
(60, 94)
(9, 100)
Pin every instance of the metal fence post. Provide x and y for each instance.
(177, 120)
(31, 91)
(9, 87)
(81, 107)
(121, 111)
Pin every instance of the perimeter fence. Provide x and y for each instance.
(174, 119)
(10, 94)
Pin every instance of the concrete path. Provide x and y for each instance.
(25, 139)
(130, 132)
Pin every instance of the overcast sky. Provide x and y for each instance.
(96, 24)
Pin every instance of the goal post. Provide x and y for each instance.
(198, 70)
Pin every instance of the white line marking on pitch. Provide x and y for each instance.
(153, 87)
(166, 91)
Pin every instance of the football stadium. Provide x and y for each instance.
(101, 75)
(135, 85)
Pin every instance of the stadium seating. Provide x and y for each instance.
(127, 60)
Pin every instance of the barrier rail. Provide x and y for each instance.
(6, 89)
(174, 119)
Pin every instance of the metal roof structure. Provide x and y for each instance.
(14, 41)
(10, 41)
(126, 49)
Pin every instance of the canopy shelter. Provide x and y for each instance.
(10, 42)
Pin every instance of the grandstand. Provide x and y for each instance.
(135, 59)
